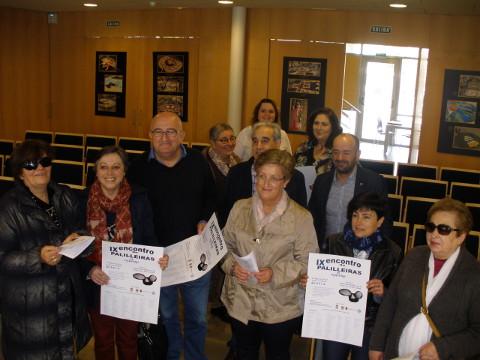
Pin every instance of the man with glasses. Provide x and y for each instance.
(333, 190)
(241, 177)
(182, 193)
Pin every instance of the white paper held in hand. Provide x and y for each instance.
(76, 247)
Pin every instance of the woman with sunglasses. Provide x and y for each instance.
(42, 301)
(118, 212)
(432, 308)
(362, 238)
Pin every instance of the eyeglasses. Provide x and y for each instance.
(272, 179)
(226, 140)
(168, 133)
(33, 164)
(441, 228)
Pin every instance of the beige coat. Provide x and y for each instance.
(283, 245)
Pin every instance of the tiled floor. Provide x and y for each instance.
(216, 344)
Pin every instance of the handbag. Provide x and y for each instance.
(152, 341)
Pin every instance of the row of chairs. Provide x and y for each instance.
(431, 172)
(436, 189)
(413, 209)
(408, 236)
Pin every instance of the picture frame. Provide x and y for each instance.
(170, 83)
(110, 83)
(303, 91)
(459, 130)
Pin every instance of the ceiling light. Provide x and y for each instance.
(398, 6)
(90, 5)
(225, 2)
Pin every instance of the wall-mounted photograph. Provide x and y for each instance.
(469, 86)
(463, 112)
(303, 91)
(170, 83)
(110, 83)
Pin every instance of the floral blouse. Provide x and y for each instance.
(304, 157)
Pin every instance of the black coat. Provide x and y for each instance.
(39, 302)
(239, 186)
(365, 181)
(143, 234)
(385, 260)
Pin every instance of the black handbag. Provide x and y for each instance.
(152, 341)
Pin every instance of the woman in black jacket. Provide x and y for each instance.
(42, 302)
(117, 212)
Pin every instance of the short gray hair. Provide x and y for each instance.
(217, 129)
(277, 131)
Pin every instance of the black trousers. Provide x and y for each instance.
(276, 338)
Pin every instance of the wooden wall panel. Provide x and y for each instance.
(24, 72)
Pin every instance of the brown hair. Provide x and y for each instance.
(28, 150)
(113, 149)
(257, 109)
(277, 157)
(464, 219)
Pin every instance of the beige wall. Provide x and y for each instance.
(32, 96)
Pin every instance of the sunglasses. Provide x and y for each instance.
(441, 228)
(33, 164)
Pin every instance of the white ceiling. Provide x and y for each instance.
(447, 7)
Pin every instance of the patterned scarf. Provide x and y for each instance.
(222, 165)
(97, 207)
(367, 243)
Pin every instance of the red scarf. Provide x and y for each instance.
(97, 207)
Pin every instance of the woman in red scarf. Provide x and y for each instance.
(120, 213)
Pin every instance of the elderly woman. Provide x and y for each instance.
(265, 111)
(431, 309)
(42, 302)
(363, 239)
(322, 127)
(265, 305)
(114, 212)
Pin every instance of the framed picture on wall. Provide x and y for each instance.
(170, 83)
(459, 130)
(110, 83)
(303, 91)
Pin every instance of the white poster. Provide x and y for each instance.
(310, 175)
(193, 257)
(133, 291)
(336, 298)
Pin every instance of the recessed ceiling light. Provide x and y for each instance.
(398, 6)
(225, 2)
(90, 5)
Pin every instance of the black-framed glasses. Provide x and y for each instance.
(33, 164)
(168, 133)
(441, 228)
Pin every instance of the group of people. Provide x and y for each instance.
(424, 304)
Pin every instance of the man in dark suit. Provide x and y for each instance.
(333, 190)
(240, 178)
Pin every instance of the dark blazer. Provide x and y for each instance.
(455, 309)
(39, 302)
(239, 186)
(365, 181)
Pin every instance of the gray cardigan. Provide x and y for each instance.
(455, 309)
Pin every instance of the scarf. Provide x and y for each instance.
(261, 219)
(418, 331)
(97, 207)
(222, 165)
(366, 244)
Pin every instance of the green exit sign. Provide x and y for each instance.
(381, 29)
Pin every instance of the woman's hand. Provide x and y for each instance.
(375, 355)
(375, 286)
(428, 351)
(49, 255)
(240, 273)
(70, 238)
(163, 262)
(303, 280)
(98, 276)
(264, 275)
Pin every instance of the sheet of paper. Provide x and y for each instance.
(336, 298)
(193, 257)
(133, 291)
(249, 263)
(310, 176)
(76, 247)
